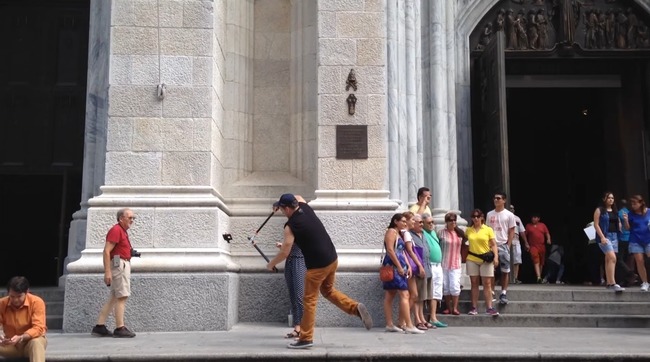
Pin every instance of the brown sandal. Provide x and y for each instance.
(293, 334)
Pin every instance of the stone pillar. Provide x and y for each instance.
(405, 135)
(163, 157)
(95, 128)
(437, 161)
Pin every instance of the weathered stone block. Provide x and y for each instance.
(371, 79)
(186, 228)
(170, 13)
(335, 174)
(186, 168)
(177, 134)
(340, 5)
(185, 102)
(134, 40)
(374, 5)
(133, 168)
(337, 52)
(145, 70)
(371, 51)
(198, 14)
(135, 13)
(202, 71)
(120, 133)
(272, 16)
(271, 73)
(330, 80)
(202, 134)
(360, 25)
(326, 24)
(377, 109)
(190, 42)
(134, 101)
(120, 69)
(327, 141)
(369, 174)
(377, 141)
(176, 70)
(147, 134)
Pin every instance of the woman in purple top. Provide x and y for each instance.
(638, 222)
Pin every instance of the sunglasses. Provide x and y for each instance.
(498, 197)
(476, 216)
(450, 220)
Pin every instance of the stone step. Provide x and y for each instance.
(548, 320)
(565, 307)
(54, 322)
(566, 293)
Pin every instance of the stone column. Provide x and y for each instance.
(163, 157)
(437, 159)
(405, 137)
(95, 128)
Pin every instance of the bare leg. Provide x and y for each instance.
(640, 267)
(389, 295)
(610, 267)
(120, 305)
(487, 291)
(404, 313)
(474, 280)
(454, 302)
(108, 307)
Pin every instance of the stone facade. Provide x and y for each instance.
(202, 112)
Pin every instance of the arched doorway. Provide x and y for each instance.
(42, 112)
(566, 119)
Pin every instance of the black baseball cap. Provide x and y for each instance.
(286, 200)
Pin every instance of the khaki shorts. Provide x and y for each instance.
(424, 289)
(121, 283)
(475, 269)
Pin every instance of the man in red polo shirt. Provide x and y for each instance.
(537, 233)
(117, 276)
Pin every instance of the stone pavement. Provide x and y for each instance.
(266, 342)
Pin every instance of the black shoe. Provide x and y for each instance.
(366, 318)
(300, 344)
(101, 331)
(123, 332)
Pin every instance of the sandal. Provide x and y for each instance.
(421, 326)
(446, 311)
(455, 312)
(428, 325)
(293, 334)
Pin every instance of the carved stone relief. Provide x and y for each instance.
(542, 25)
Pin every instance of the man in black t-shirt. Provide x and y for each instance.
(305, 229)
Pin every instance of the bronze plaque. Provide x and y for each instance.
(351, 142)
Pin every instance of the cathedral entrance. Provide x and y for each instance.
(574, 129)
(559, 115)
(42, 113)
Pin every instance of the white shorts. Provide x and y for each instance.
(451, 283)
(437, 281)
(516, 253)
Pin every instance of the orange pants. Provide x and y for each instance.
(538, 255)
(322, 279)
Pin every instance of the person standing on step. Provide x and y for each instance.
(22, 321)
(503, 223)
(305, 229)
(117, 276)
(422, 206)
(520, 235)
(451, 241)
(423, 284)
(481, 240)
(637, 221)
(435, 262)
(538, 236)
(607, 226)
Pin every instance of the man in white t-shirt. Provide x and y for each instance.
(503, 223)
(520, 235)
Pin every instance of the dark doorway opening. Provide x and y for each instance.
(42, 115)
(559, 150)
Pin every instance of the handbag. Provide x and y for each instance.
(418, 251)
(487, 257)
(386, 273)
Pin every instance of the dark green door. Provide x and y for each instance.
(44, 47)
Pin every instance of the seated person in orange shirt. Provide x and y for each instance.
(22, 318)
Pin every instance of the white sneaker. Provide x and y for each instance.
(393, 328)
(412, 330)
(645, 286)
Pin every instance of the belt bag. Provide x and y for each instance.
(488, 257)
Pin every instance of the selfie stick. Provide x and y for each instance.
(252, 240)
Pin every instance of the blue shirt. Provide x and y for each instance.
(623, 235)
(639, 230)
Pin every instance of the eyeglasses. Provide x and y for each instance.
(498, 197)
(476, 216)
(420, 222)
(428, 222)
(131, 218)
